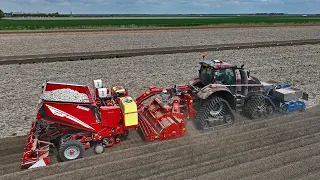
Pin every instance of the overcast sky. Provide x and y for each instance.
(161, 6)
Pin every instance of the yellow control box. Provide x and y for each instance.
(129, 110)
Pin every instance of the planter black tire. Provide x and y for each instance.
(67, 147)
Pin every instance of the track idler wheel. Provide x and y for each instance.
(71, 150)
(256, 106)
(270, 110)
(214, 112)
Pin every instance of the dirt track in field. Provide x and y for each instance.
(278, 148)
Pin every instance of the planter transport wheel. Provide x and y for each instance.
(71, 150)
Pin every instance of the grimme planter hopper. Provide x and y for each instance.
(87, 116)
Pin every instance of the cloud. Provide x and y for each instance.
(38, 2)
(163, 6)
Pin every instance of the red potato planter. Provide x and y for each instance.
(93, 116)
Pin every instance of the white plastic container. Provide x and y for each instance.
(97, 83)
(102, 92)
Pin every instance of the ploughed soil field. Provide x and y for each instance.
(72, 42)
(284, 147)
(21, 84)
(278, 148)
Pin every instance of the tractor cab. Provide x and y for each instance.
(217, 72)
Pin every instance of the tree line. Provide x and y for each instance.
(32, 14)
(1, 14)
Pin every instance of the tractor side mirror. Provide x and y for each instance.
(204, 56)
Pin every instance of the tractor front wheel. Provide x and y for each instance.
(214, 112)
(71, 150)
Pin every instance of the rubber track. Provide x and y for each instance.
(147, 51)
(155, 28)
(289, 128)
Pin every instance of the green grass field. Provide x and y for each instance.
(13, 24)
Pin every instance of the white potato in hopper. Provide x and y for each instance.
(65, 95)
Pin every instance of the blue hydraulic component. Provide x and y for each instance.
(294, 105)
(282, 86)
(286, 107)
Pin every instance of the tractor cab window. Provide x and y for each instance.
(225, 76)
(205, 75)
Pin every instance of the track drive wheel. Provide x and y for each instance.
(214, 112)
(71, 150)
(270, 110)
(256, 106)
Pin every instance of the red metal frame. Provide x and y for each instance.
(163, 121)
(35, 148)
